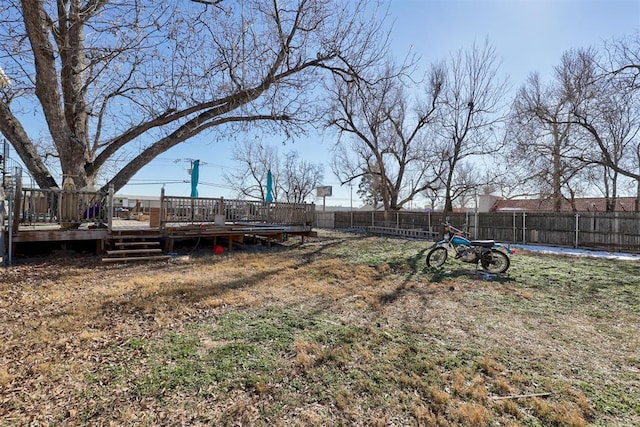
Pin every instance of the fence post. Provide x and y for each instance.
(373, 221)
(616, 229)
(475, 225)
(351, 215)
(575, 243)
(397, 219)
(515, 229)
(524, 228)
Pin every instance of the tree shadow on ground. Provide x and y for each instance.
(437, 275)
(195, 293)
(442, 274)
(413, 264)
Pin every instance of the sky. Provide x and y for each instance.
(528, 36)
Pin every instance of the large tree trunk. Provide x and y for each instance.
(130, 80)
(14, 131)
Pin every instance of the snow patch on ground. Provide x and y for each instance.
(577, 252)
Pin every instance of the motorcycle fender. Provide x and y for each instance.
(503, 248)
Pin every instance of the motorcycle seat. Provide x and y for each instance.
(483, 243)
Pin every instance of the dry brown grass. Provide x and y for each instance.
(348, 330)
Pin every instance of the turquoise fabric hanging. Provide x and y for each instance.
(195, 175)
(269, 197)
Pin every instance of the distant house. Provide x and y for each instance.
(125, 206)
(588, 204)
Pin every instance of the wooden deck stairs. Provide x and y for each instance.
(123, 246)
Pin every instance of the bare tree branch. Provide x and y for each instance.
(118, 80)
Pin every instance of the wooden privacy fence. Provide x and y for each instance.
(176, 209)
(611, 231)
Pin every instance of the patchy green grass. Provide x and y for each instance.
(344, 330)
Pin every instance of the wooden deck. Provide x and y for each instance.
(168, 235)
(38, 217)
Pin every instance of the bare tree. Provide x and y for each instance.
(466, 185)
(254, 160)
(298, 178)
(127, 81)
(383, 138)
(469, 110)
(541, 141)
(294, 179)
(606, 109)
(624, 60)
(370, 188)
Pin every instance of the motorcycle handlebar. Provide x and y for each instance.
(455, 230)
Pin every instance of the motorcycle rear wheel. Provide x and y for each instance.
(436, 257)
(495, 262)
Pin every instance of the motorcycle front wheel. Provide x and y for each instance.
(495, 262)
(436, 257)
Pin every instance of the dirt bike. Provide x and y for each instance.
(494, 257)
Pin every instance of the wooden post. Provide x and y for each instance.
(17, 202)
(110, 209)
(268, 212)
(161, 214)
(2, 202)
(10, 249)
(575, 243)
(475, 224)
(616, 229)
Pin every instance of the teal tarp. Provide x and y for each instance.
(269, 197)
(195, 175)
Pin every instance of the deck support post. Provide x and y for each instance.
(110, 209)
(161, 214)
(2, 202)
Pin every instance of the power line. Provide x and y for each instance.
(152, 182)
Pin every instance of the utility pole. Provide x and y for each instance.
(351, 202)
(351, 195)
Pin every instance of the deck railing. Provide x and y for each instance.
(180, 210)
(72, 208)
(69, 208)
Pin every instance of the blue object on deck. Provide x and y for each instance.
(269, 197)
(195, 175)
(91, 211)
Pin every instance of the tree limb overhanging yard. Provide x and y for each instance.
(118, 83)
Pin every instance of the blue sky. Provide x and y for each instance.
(528, 35)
